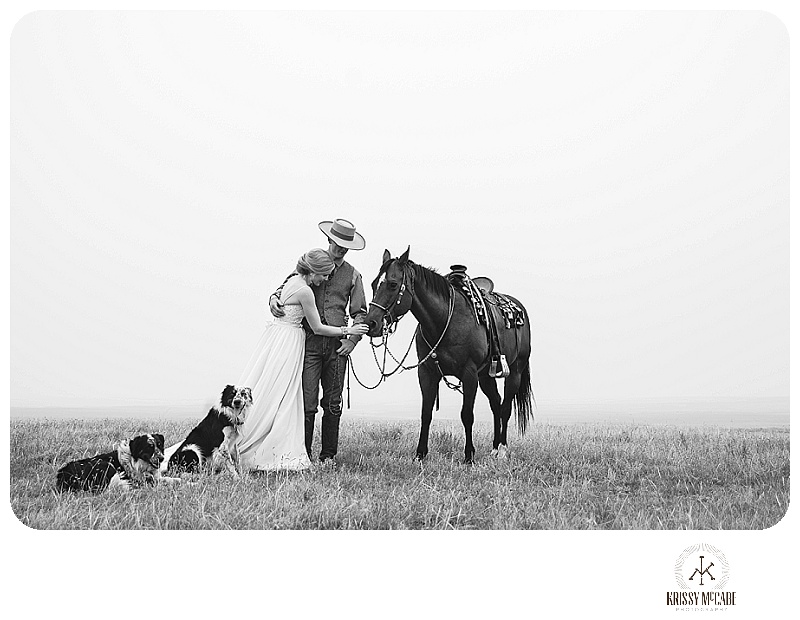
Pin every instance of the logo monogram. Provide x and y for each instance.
(690, 577)
(702, 572)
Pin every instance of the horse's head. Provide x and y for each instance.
(392, 293)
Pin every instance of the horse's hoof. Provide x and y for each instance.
(420, 456)
(502, 451)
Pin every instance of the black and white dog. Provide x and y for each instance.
(132, 464)
(211, 445)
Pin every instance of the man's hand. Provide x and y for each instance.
(346, 348)
(276, 306)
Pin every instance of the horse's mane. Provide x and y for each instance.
(432, 278)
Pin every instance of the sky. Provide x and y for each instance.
(624, 174)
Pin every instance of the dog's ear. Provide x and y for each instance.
(138, 445)
(249, 393)
(159, 438)
(227, 395)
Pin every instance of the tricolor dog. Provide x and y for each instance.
(132, 464)
(211, 446)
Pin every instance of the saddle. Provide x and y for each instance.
(480, 293)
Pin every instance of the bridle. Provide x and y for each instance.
(406, 291)
(391, 324)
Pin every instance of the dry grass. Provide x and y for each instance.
(557, 477)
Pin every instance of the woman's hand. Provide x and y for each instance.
(359, 329)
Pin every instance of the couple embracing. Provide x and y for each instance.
(306, 345)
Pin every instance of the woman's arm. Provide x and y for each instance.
(306, 298)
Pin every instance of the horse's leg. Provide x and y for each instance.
(429, 385)
(469, 385)
(489, 387)
(509, 391)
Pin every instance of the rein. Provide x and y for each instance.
(391, 325)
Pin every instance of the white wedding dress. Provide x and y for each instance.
(273, 434)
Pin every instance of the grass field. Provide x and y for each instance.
(556, 477)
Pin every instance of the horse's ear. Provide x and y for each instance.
(386, 255)
(404, 258)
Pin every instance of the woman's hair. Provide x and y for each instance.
(315, 261)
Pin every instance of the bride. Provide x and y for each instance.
(273, 435)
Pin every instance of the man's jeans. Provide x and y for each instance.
(323, 365)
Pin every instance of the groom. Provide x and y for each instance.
(325, 358)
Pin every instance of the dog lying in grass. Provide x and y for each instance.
(133, 463)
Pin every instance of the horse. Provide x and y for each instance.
(450, 342)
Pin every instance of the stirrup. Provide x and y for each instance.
(499, 367)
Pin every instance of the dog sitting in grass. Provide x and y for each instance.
(212, 445)
(133, 463)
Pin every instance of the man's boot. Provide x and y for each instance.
(309, 434)
(330, 437)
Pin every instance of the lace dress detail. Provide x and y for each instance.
(293, 317)
(273, 435)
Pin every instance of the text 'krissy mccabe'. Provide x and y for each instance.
(685, 599)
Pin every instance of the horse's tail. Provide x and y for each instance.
(523, 398)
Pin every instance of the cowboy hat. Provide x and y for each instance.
(343, 233)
